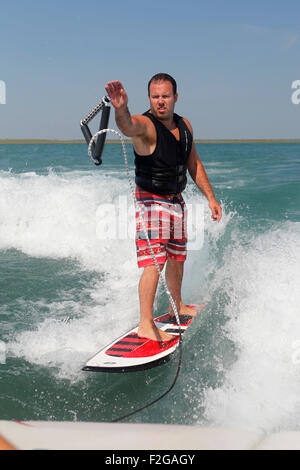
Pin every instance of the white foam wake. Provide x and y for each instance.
(262, 388)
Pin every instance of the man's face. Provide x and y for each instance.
(162, 100)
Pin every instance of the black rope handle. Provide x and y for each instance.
(98, 145)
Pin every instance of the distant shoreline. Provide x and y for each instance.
(128, 141)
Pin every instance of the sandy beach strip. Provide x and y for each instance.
(128, 141)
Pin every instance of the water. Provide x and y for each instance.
(64, 293)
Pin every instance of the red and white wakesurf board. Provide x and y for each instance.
(131, 353)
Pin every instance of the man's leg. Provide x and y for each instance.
(174, 276)
(147, 290)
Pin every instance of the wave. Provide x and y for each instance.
(248, 277)
(71, 216)
(260, 390)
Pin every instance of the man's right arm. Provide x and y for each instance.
(131, 126)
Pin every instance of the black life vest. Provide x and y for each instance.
(164, 171)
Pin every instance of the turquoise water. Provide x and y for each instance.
(65, 292)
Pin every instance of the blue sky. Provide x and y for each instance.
(234, 62)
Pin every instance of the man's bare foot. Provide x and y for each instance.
(188, 310)
(152, 332)
(191, 310)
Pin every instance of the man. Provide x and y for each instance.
(164, 151)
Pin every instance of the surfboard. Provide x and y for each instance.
(130, 352)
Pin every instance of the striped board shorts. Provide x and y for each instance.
(165, 220)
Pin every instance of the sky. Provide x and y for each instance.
(234, 62)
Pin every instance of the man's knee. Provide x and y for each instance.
(152, 268)
(175, 263)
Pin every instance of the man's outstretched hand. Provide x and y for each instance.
(117, 94)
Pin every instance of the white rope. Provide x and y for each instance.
(132, 187)
(104, 102)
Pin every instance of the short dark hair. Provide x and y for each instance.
(163, 76)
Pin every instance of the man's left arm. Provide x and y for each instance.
(199, 176)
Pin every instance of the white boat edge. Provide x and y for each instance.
(50, 435)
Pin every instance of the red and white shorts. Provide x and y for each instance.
(165, 220)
